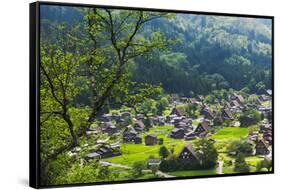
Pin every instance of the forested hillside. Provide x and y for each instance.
(209, 52)
(213, 53)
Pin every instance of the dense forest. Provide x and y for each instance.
(208, 53)
(97, 61)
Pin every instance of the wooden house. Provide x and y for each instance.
(267, 137)
(140, 117)
(159, 120)
(188, 154)
(207, 113)
(177, 133)
(265, 127)
(262, 148)
(137, 140)
(177, 119)
(263, 98)
(239, 98)
(184, 99)
(139, 126)
(179, 111)
(193, 101)
(170, 118)
(105, 118)
(151, 139)
(181, 124)
(93, 155)
(129, 134)
(199, 98)
(202, 129)
(234, 104)
(115, 116)
(253, 136)
(227, 105)
(110, 129)
(190, 136)
(269, 92)
(226, 115)
(103, 152)
(153, 162)
(125, 115)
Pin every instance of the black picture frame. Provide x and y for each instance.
(34, 92)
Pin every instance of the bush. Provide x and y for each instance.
(137, 169)
(266, 163)
(164, 152)
(241, 146)
(160, 141)
(154, 169)
(240, 164)
(177, 165)
(250, 117)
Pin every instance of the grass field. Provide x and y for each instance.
(193, 173)
(160, 131)
(140, 152)
(231, 133)
(253, 160)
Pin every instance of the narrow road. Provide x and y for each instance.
(105, 163)
(219, 168)
(164, 174)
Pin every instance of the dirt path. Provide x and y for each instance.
(219, 168)
(105, 163)
(164, 174)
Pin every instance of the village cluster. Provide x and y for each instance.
(128, 128)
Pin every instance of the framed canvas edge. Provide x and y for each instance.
(34, 93)
(34, 129)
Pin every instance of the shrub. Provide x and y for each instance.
(240, 164)
(164, 152)
(137, 169)
(240, 146)
(266, 163)
(160, 141)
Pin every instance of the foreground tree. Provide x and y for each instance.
(191, 110)
(206, 153)
(115, 34)
(161, 105)
(93, 62)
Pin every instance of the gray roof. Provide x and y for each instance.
(153, 161)
(93, 155)
(176, 130)
(151, 135)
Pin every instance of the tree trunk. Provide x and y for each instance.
(71, 130)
